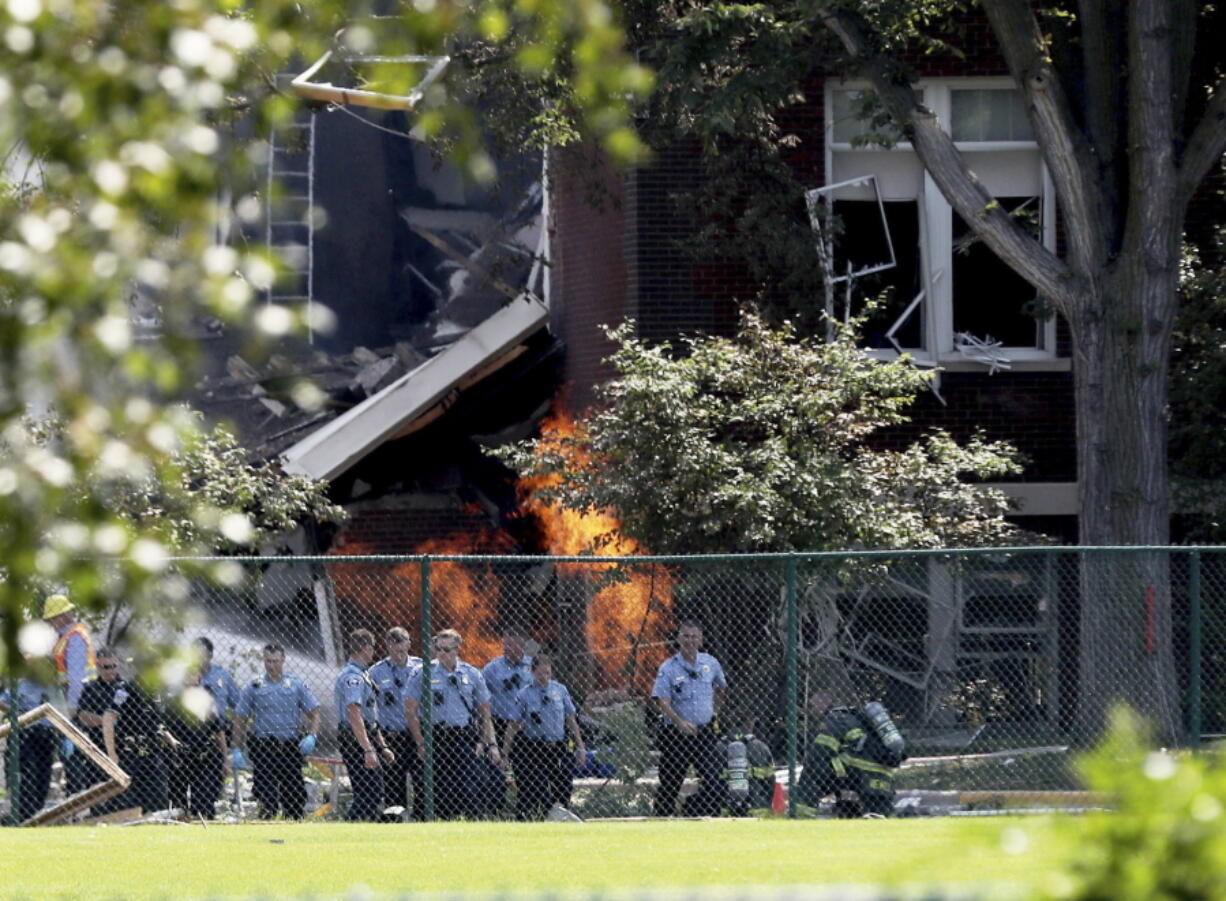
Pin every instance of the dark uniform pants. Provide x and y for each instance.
(276, 777)
(406, 764)
(492, 795)
(196, 777)
(367, 784)
(542, 776)
(678, 752)
(142, 759)
(455, 772)
(37, 749)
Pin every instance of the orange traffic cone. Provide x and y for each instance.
(779, 803)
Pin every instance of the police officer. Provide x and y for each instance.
(96, 699)
(276, 705)
(136, 739)
(357, 729)
(76, 664)
(545, 713)
(689, 691)
(504, 677)
(217, 680)
(199, 763)
(37, 744)
(848, 759)
(391, 677)
(461, 705)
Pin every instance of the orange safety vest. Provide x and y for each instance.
(61, 652)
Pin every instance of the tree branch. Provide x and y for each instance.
(935, 148)
(1184, 16)
(1072, 160)
(1152, 174)
(1205, 146)
(1101, 61)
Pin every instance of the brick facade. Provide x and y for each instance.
(668, 292)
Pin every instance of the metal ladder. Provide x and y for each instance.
(289, 232)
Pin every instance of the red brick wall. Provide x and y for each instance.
(590, 243)
(1033, 411)
(670, 293)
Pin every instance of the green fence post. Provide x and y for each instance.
(427, 697)
(1194, 649)
(790, 689)
(14, 749)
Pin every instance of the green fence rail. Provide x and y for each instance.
(997, 665)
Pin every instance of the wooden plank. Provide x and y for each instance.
(117, 780)
(117, 818)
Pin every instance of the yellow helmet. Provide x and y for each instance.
(57, 604)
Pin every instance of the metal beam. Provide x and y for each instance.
(344, 441)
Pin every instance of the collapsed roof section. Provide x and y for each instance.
(420, 395)
(445, 278)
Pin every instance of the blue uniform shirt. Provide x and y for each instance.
(30, 695)
(504, 679)
(543, 711)
(456, 694)
(353, 686)
(276, 708)
(222, 687)
(391, 685)
(690, 689)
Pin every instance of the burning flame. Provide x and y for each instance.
(623, 617)
(626, 614)
(462, 595)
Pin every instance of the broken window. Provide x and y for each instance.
(947, 290)
(893, 288)
(990, 299)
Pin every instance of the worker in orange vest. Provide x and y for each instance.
(76, 665)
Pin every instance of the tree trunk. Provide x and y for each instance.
(1121, 349)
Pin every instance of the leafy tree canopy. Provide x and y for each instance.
(117, 127)
(215, 497)
(768, 442)
(1198, 397)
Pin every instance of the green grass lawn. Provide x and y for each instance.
(1002, 856)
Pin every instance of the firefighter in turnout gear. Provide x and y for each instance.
(853, 756)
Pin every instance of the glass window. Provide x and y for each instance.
(856, 115)
(989, 115)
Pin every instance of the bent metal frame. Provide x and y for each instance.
(116, 782)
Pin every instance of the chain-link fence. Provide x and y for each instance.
(535, 696)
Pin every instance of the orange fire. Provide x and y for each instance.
(624, 618)
(462, 595)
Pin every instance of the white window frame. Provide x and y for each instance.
(936, 225)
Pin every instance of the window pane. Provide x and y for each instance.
(990, 299)
(860, 242)
(989, 115)
(847, 109)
